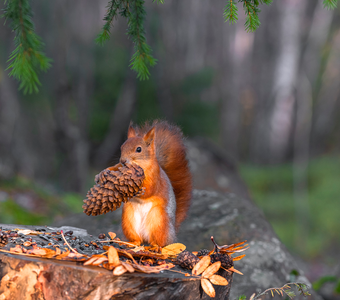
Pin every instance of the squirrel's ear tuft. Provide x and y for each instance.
(149, 136)
(131, 131)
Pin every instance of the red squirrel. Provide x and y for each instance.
(155, 216)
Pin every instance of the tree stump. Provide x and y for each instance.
(27, 277)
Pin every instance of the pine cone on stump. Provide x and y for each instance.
(3, 239)
(187, 260)
(113, 187)
(225, 259)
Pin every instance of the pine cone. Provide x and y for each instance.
(225, 259)
(3, 239)
(112, 188)
(203, 252)
(187, 260)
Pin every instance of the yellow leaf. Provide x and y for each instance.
(112, 235)
(208, 287)
(113, 256)
(120, 270)
(173, 249)
(201, 265)
(218, 280)
(212, 269)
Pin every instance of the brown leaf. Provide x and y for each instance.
(126, 254)
(128, 267)
(173, 249)
(92, 259)
(201, 265)
(120, 270)
(234, 270)
(63, 255)
(38, 252)
(208, 287)
(112, 235)
(113, 256)
(218, 280)
(238, 257)
(99, 261)
(16, 249)
(211, 269)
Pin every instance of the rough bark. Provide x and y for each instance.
(26, 278)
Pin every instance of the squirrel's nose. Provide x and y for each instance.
(123, 161)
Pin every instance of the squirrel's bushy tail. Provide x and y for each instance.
(171, 156)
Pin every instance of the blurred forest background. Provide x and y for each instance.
(271, 99)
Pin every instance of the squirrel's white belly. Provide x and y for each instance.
(141, 211)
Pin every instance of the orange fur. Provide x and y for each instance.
(146, 218)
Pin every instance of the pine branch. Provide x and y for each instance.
(330, 4)
(142, 57)
(230, 12)
(27, 58)
(286, 289)
(112, 8)
(252, 18)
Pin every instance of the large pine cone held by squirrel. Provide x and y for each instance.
(113, 186)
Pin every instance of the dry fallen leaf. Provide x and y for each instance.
(128, 267)
(208, 287)
(113, 256)
(201, 265)
(211, 269)
(120, 270)
(173, 249)
(218, 280)
(99, 261)
(234, 270)
(28, 232)
(112, 235)
(238, 257)
(93, 259)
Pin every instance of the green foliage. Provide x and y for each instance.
(321, 281)
(272, 189)
(230, 12)
(12, 213)
(27, 58)
(242, 297)
(330, 4)
(50, 204)
(252, 19)
(112, 8)
(142, 57)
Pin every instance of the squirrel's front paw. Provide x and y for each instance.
(141, 192)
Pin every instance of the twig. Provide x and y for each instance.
(73, 250)
(114, 241)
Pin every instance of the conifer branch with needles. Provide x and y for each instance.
(112, 8)
(27, 59)
(142, 57)
(281, 291)
(330, 4)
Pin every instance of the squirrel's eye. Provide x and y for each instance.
(139, 149)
